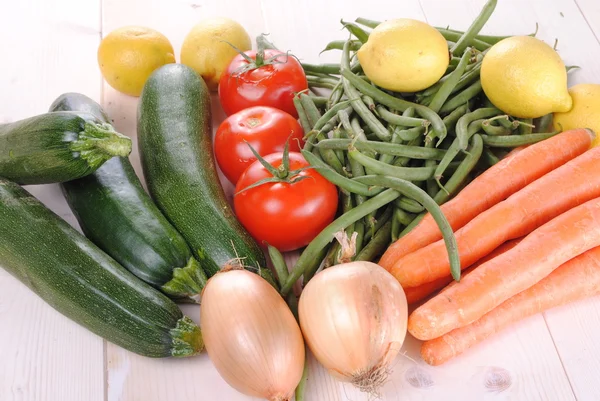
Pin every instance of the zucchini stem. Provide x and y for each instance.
(98, 143)
(187, 281)
(187, 338)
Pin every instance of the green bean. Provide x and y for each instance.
(455, 36)
(506, 123)
(306, 126)
(461, 173)
(403, 217)
(384, 217)
(514, 141)
(325, 236)
(332, 255)
(330, 68)
(491, 39)
(469, 36)
(331, 113)
(465, 80)
(356, 30)
(462, 97)
(361, 109)
(395, 228)
(416, 193)
(431, 185)
(396, 139)
(411, 133)
(336, 95)
(315, 81)
(340, 155)
(395, 119)
(462, 131)
(329, 156)
(525, 126)
(490, 129)
(312, 112)
(339, 45)
(377, 245)
(396, 103)
(543, 124)
(490, 157)
(282, 275)
(359, 229)
(412, 225)
(414, 152)
(337, 179)
(406, 173)
(370, 104)
(409, 205)
(367, 22)
(319, 101)
(451, 119)
(444, 91)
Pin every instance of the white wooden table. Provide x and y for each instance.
(48, 47)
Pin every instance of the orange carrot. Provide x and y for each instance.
(515, 171)
(571, 184)
(577, 279)
(492, 283)
(416, 294)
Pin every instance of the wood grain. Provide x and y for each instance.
(53, 45)
(48, 48)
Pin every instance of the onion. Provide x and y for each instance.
(251, 336)
(353, 317)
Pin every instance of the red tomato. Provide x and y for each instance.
(266, 129)
(272, 84)
(285, 215)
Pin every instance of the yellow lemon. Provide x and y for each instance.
(127, 56)
(207, 48)
(404, 55)
(585, 112)
(524, 77)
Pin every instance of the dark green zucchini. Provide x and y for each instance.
(57, 147)
(116, 214)
(80, 281)
(175, 143)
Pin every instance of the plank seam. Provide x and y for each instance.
(559, 356)
(587, 22)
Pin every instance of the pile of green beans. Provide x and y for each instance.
(395, 157)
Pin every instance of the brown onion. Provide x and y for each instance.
(353, 317)
(251, 336)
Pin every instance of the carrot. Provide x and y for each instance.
(571, 184)
(577, 279)
(514, 172)
(416, 294)
(495, 281)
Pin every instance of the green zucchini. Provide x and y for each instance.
(117, 215)
(57, 147)
(80, 281)
(175, 144)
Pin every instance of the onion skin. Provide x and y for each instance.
(251, 335)
(354, 317)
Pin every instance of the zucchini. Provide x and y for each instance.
(80, 281)
(175, 144)
(117, 215)
(57, 147)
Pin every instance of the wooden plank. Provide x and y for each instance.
(52, 48)
(130, 376)
(590, 9)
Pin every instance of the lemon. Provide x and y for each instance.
(524, 77)
(127, 56)
(207, 48)
(585, 112)
(404, 55)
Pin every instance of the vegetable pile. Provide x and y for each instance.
(414, 151)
